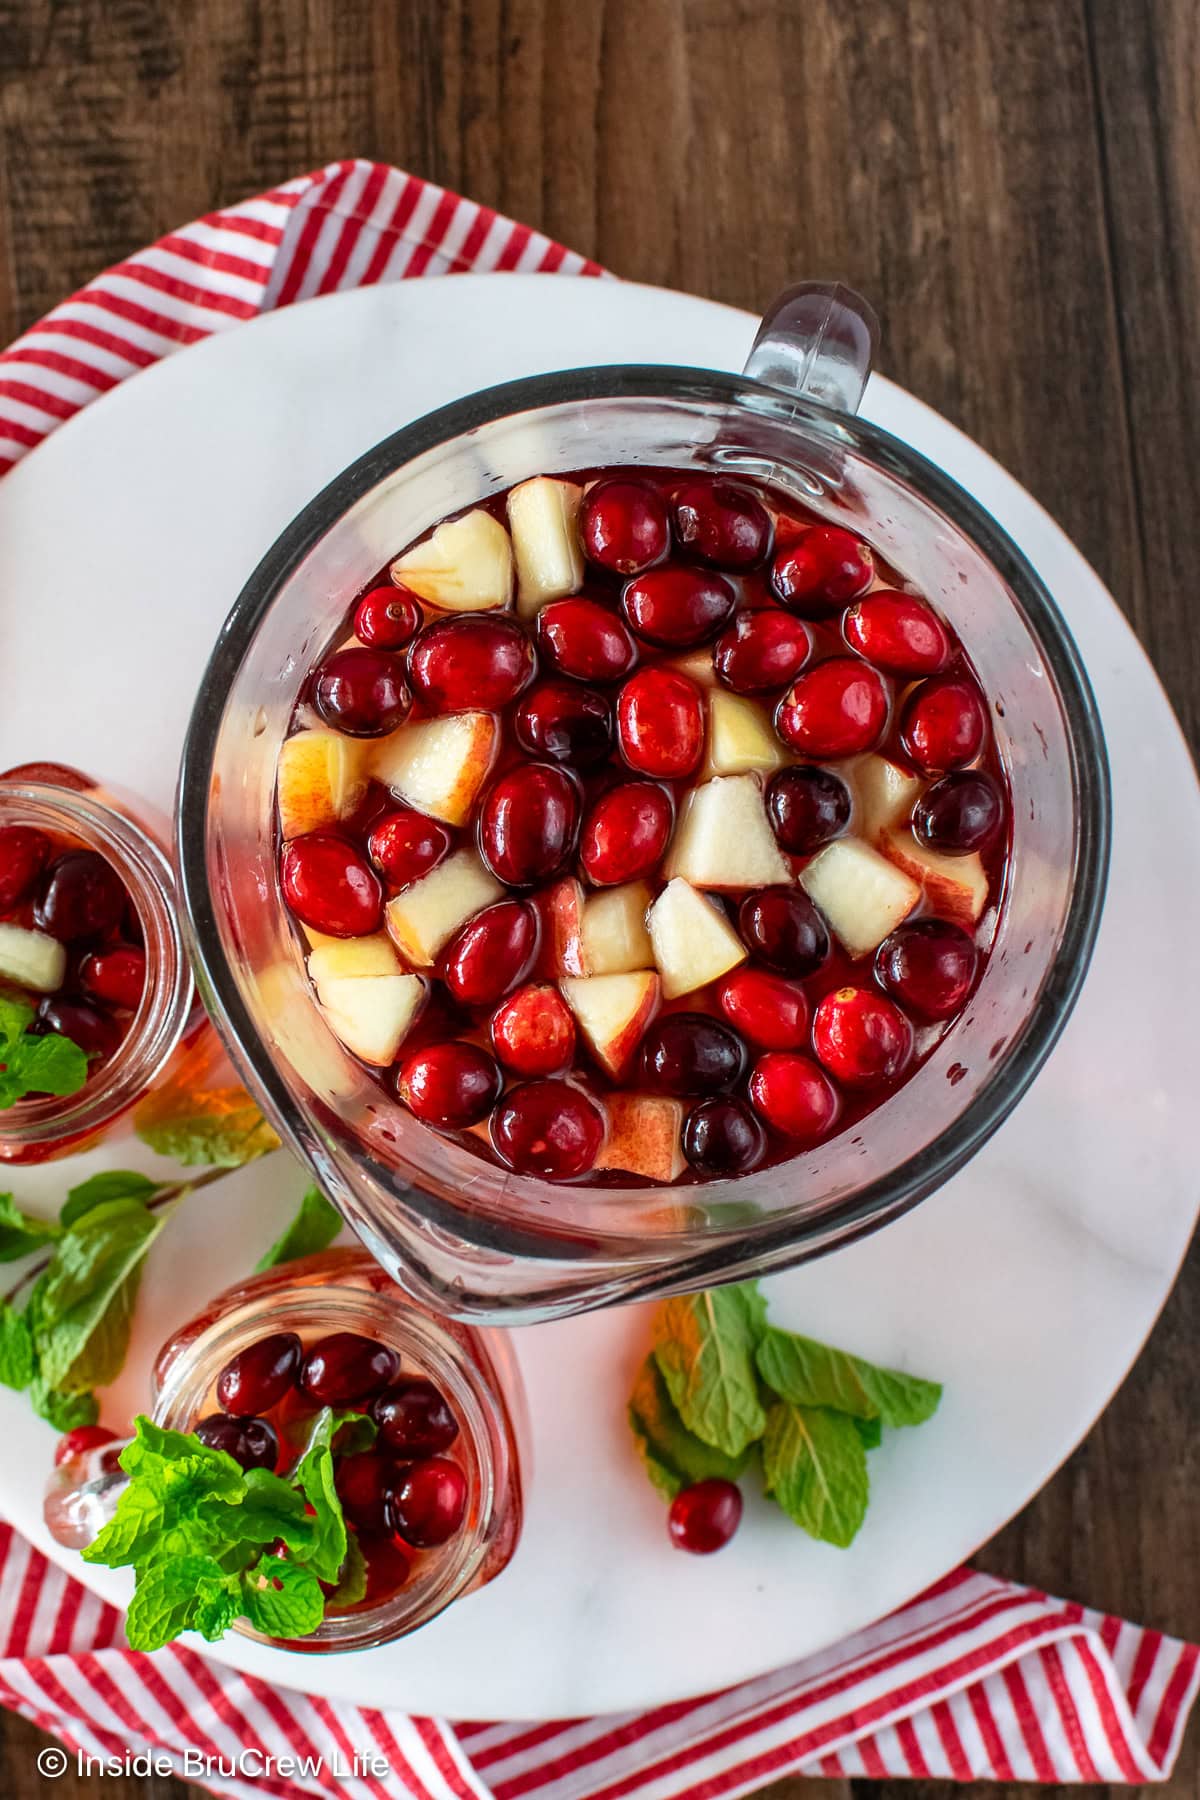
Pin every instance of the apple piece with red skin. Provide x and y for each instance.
(422, 919)
(466, 565)
(543, 518)
(861, 895)
(615, 939)
(724, 838)
(320, 780)
(956, 887)
(693, 941)
(439, 765)
(644, 1136)
(371, 1014)
(612, 1012)
(886, 793)
(562, 951)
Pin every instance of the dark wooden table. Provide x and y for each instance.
(1014, 183)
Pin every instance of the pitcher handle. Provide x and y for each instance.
(817, 340)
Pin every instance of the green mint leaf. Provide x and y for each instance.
(674, 1458)
(155, 1445)
(16, 1348)
(271, 1510)
(133, 1533)
(87, 1294)
(169, 1597)
(353, 1432)
(217, 1608)
(35, 1065)
(16, 1016)
(63, 1411)
(704, 1347)
(314, 1228)
(352, 1584)
(281, 1599)
(810, 1374)
(110, 1184)
(314, 1477)
(21, 1233)
(870, 1431)
(815, 1468)
(219, 1127)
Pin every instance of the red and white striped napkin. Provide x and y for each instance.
(978, 1678)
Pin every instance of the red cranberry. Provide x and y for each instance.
(722, 522)
(861, 1038)
(569, 724)
(328, 884)
(452, 1085)
(626, 832)
(784, 929)
(547, 1128)
(692, 1053)
(534, 1032)
(529, 824)
(584, 639)
(765, 1008)
(362, 692)
(762, 651)
(80, 1441)
(252, 1443)
(822, 571)
(705, 1516)
(677, 606)
(960, 813)
(807, 806)
(929, 965)
(94, 1031)
(82, 897)
(24, 853)
(364, 1484)
(943, 724)
(794, 1096)
(723, 1137)
(414, 1418)
(387, 617)
(478, 661)
(404, 845)
(625, 526)
(387, 1563)
(897, 632)
(429, 1502)
(117, 976)
(837, 708)
(259, 1376)
(345, 1367)
(660, 723)
(489, 955)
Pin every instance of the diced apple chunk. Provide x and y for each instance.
(561, 949)
(344, 959)
(439, 765)
(861, 894)
(424, 917)
(697, 665)
(615, 939)
(320, 781)
(612, 1012)
(31, 959)
(543, 517)
(371, 1014)
(644, 1136)
(956, 887)
(693, 941)
(886, 795)
(741, 738)
(466, 565)
(724, 838)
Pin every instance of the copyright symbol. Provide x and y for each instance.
(52, 1763)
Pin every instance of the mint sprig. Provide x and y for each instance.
(47, 1064)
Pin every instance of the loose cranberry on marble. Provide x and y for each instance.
(328, 883)
(96, 1032)
(252, 1443)
(721, 522)
(822, 571)
(414, 1418)
(625, 526)
(24, 853)
(116, 976)
(960, 813)
(928, 965)
(585, 640)
(452, 1085)
(429, 1502)
(346, 1367)
(837, 708)
(808, 806)
(547, 1128)
(692, 1053)
(794, 1096)
(477, 661)
(388, 1565)
(534, 1032)
(861, 1038)
(762, 651)
(80, 1441)
(783, 928)
(404, 845)
(362, 693)
(897, 632)
(567, 723)
(529, 824)
(626, 832)
(678, 606)
(660, 723)
(387, 617)
(943, 724)
(705, 1516)
(723, 1137)
(258, 1377)
(82, 896)
(491, 954)
(364, 1484)
(765, 1008)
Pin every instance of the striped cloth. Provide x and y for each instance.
(978, 1678)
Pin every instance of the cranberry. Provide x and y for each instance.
(529, 824)
(929, 965)
(837, 708)
(474, 661)
(897, 632)
(24, 853)
(414, 1418)
(94, 1031)
(534, 1032)
(625, 526)
(81, 897)
(660, 723)
(723, 1137)
(364, 1483)
(404, 845)
(784, 929)
(548, 1128)
(569, 724)
(722, 522)
(765, 1008)
(346, 1367)
(387, 1566)
(762, 651)
(794, 1096)
(116, 976)
(362, 692)
(960, 813)
(705, 1516)
(452, 1085)
(328, 884)
(807, 806)
(489, 955)
(429, 1502)
(252, 1443)
(387, 617)
(626, 833)
(692, 1053)
(861, 1038)
(259, 1376)
(822, 571)
(584, 639)
(677, 606)
(80, 1441)
(943, 724)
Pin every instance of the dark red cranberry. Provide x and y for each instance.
(534, 1032)
(762, 651)
(678, 606)
(768, 1009)
(404, 845)
(345, 1367)
(586, 640)
(567, 723)
(24, 853)
(82, 897)
(547, 1128)
(492, 953)
(259, 1376)
(822, 571)
(626, 832)
(807, 806)
(861, 1038)
(429, 1502)
(116, 976)
(723, 1137)
(80, 1441)
(252, 1443)
(960, 813)
(794, 1095)
(478, 660)
(387, 1563)
(529, 824)
(943, 724)
(328, 883)
(928, 965)
(705, 1516)
(414, 1418)
(660, 723)
(837, 708)
(721, 522)
(96, 1033)
(362, 693)
(387, 617)
(784, 929)
(897, 632)
(692, 1053)
(452, 1085)
(625, 526)
(364, 1483)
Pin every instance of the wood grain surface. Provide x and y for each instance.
(1014, 183)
